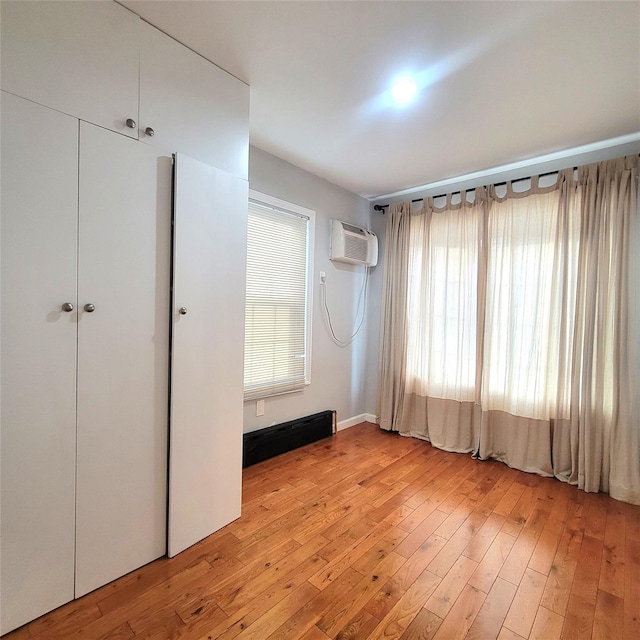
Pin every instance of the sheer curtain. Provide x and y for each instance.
(519, 342)
(445, 254)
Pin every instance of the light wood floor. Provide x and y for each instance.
(371, 535)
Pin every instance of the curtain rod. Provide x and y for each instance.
(382, 207)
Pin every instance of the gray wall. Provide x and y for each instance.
(339, 376)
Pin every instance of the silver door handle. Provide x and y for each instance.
(89, 308)
(182, 311)
(67, 307)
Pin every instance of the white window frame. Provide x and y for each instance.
(289, 207)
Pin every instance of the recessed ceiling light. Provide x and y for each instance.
(404, 90)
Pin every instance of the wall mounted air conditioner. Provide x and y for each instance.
(353, 244)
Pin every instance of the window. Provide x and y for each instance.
(442, 304)
(510, 344)
(278, 299)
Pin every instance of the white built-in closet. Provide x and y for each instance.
(95, 104)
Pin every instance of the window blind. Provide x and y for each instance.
(276, 300)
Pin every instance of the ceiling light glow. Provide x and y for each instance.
(404, 90)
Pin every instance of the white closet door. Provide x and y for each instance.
(122, 361)
(39, 229)
(205, 459)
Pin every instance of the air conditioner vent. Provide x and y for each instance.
(353, 244)
(351, 229)
(355, 248)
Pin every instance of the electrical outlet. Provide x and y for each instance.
(323, 277)
(259, 407)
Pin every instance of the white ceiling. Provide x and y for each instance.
(503, 82)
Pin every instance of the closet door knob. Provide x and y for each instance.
(182, 311)
(131, 123)
(89, 308)
(150, 132)
(67, 307)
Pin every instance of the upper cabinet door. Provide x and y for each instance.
(192, 106)
(81, 58)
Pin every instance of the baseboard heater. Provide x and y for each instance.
(280, 438)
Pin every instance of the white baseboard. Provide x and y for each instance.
(350, 422)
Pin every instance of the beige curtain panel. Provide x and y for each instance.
(511, 326)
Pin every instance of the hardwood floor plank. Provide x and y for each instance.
(632, 588)
(346, 521)
(262, 602)
(578, 620)
(340, 557)
(335, 619)
(358, 628)
(370, 559)
(393, 625)
(231, 600)
(218, 550)
(423, 627)
(587, 575)
(507, 634)
(60, 623)
(560, 578)
(22, 633)
(547, 545)
(608, 619)
(175, 628)
(170, 627)
(454, 547)
(385, 599)
(275, 616)
(612, 567)
(412, 542)
(153, 604)
(462, 615)
(205, 594)
(315, 634)
(482, 540)
(547, 625)
(123, 632)
(455, 520)
(441, 469)
(506, 479)
(632, 521)
(490, 618)
(596, 515)
(450, 587)
(491, 564)
(393, 517)
(298, 624)
(516, 563)
(522, 612)
(558, 587)
(509, 499)
(419, 561)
